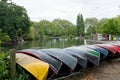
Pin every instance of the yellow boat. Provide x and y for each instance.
(36, 67)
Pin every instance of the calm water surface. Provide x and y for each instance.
(49, 43)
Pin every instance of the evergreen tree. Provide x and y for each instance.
(80, 25)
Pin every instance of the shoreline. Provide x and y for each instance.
(107, 70)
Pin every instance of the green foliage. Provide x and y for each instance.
(91, 22)
(21, 73)
(91, 30)
(46, 27)
(100, 24)
(4, 73)
(91, 25)
(80, 25)
(104, 26)
(0, 42)
(118, 20)
(65, 28)
(13, 19)
(4, 37)
(110, 27)
(57, 28)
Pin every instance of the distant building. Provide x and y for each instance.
(101, 37)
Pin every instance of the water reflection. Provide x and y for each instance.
(48, 43)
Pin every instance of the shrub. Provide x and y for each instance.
(21, 74)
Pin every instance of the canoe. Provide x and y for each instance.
(55, 64)
(103, 52)
(111, 50)
(82, 52)
(93, 52)
(36, 67)
(68, 60)
(115, 46)
(81, 60)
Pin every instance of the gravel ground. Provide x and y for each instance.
(107, 70)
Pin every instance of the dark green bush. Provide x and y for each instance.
(4, 66)
(21, 74)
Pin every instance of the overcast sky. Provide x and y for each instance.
(68, 9)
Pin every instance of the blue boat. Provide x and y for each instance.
(103, 52)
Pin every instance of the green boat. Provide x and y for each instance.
(93, 52)
(90, 54)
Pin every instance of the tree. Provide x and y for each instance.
(46, 27)
(35, 31)
(118, 21)
(100, 24)
(66, 27)
(110, 27)
(4, 37)
(91, 30)
(91, 25)
(56, 28)
(80, 25)
(13, 19)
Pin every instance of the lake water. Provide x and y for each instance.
(48, 43)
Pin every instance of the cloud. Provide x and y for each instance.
(68, 9)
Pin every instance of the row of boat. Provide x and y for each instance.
(53, 63)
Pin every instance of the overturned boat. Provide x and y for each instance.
(95, 55)
(69, 62)
(82, 61)
(36, 67)
(55, 65)
(103, 51)
(82, 52)
(108, 47)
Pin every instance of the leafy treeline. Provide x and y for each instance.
(56, 28)
(14, 21)
(104, 26)
(15, 25)
(111, 26)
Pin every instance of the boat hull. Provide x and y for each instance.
(36, 67)
(62, 56)
(93, 59)
(55, 64)
(102, 51)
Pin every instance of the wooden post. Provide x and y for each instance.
(12, 64)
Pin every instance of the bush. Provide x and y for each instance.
(21, 74)
(4, 72)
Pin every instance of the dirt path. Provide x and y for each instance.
(107, 70)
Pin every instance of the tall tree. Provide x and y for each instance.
(80, 25)
(13, 19)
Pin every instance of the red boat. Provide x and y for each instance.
(116, 47)
(111, 48)
(116, 44)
